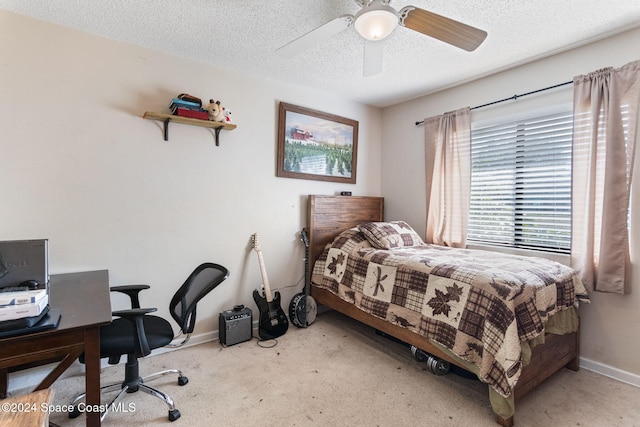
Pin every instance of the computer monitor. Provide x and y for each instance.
(24, 260)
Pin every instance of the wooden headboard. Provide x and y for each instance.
(328, 216)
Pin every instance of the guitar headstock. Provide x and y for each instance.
(254, 242)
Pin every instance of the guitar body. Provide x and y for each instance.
(273, 322)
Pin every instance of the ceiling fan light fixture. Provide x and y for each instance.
(376, 21)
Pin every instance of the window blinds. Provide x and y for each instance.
(521, 183)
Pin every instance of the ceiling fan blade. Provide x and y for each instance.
(316, 36)
(372, 57)
(437, 26)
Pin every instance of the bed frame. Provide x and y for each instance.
(330, 215)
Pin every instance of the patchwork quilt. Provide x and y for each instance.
(478, 304)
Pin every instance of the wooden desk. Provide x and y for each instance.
(84, 301)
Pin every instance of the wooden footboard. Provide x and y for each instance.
(558, 351)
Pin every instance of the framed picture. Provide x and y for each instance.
(316, 145)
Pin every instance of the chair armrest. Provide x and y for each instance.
(136, 316)
(132, 291)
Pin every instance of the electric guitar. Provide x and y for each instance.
(273, 322)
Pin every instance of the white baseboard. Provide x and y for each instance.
(611, 372)
(29, 378)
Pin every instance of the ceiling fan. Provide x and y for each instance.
(377, 20)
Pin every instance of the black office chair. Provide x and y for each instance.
(135, 333)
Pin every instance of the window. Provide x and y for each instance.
(521, 183)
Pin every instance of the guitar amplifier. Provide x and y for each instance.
(235, 326)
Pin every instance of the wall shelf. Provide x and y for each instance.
(166, 118)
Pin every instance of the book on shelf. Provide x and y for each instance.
(190, 98)
(186, 107)
(194, 114)
(22, 297)
(11, 312)
(183, 103)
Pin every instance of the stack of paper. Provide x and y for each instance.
(16, 305)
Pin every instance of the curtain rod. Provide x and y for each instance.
(514, 97)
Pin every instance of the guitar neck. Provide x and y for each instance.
(305, 240)
(265, 279)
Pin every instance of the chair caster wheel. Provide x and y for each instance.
(74, 412)
(182, 380)
(174, 414)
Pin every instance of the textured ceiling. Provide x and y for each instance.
(244, 36)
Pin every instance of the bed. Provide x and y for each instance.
(510, 320)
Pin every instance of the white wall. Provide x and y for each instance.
(80, 166)
(609, 339)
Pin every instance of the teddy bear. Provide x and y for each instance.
(227, 114)
(216, 111)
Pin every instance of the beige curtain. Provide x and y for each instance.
(604, 141)
(448, 167)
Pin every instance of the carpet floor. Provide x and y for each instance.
(339, 372)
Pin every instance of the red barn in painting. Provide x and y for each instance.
(303, 135)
